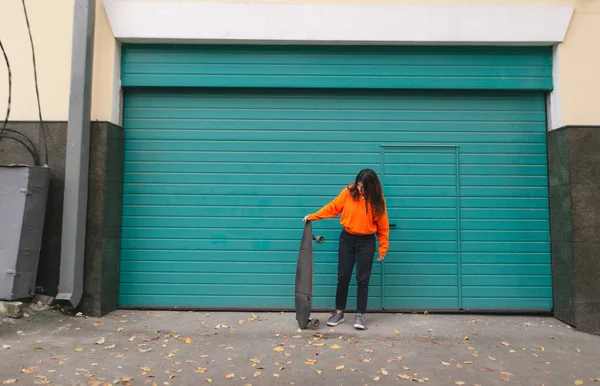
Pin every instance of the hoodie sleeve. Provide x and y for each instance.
(383, 233)
(333, 209)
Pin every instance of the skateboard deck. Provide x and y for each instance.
(304, 278)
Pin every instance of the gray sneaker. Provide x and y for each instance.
(336, 318)
(359, 322)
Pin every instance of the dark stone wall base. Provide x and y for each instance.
(103, 239)
(574, 173)
(101, 278)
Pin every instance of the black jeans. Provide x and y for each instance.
(359, 249)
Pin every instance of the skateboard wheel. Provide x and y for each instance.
(319, 239)
(315, 322)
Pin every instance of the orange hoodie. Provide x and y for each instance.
(355, 218)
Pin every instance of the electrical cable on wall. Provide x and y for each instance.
(3, 132)
(37, 92)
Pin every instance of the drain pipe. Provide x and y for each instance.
(70, 287)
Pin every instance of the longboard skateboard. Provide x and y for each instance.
(304, 277)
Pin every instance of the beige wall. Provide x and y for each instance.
(579, 59)
(52, 43)
(579, 67)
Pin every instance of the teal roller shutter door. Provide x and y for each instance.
(473, 68)
(217, 181)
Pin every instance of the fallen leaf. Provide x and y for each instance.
(257, 374)
(512, 351)
(396, 331)
(209, 380)
(120, 329)
(229, 376)
(36, 347)
(504, 379)
(507, 373)
(384, 372)
(311, 361)
(101, 341)
(132, 338)
(471, 348)
(353, 370)
(505, 344)
(26, 315)
(6, 346)
(278, 349)
(486, 369)
(188, 340)
(9, 381)
(336, 347)
(579, 382)
(466, 338)
(459, 366)
(426, 313)
(541, 348)
(404, 376)
(318, 344)
(376, 379)
(28, 370)
(319, 372)
(445, 363)
(276, 375)
(201, 370)
(340, 367)
(459, 383)
(468, 363)
(491, 358)
(109, 347)
(147, 350)
(97, 323)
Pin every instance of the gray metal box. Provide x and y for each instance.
(23, 195)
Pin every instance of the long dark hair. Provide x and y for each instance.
(373, 190)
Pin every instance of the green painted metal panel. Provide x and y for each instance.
(369, 67)
(217, 180)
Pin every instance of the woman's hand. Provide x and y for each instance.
(305, 219)
(380, 258)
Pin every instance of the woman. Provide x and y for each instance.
(364, 215)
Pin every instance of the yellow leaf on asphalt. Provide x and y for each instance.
(384, 372)
(336, 347)
(468, 363)
(120, 329)
(257, 374)
(188, 340)
(109, 347)
(318, 344)
(353, 370)
(201, 370)
(276, 375)
(254, 316)
(319, 372)
(376, 379)
(209, 380)
(28, 370)
(6, 346)
(101, 341)
(311, 361)
(507, 373)
(146, 369)
(25, 314)
(340, 367)
(9, 381)
(459, 383)
(504, 379)
(541, 348)
(459, 366)
(79, 349)
(229, 376)
(396, 331)
(476, 355)
(278, 349)
(505, 344)
(254, 360)
(579, 382)
(445, 363)
(491, 358)
(512, 351)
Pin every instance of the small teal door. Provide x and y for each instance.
(421, 186)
